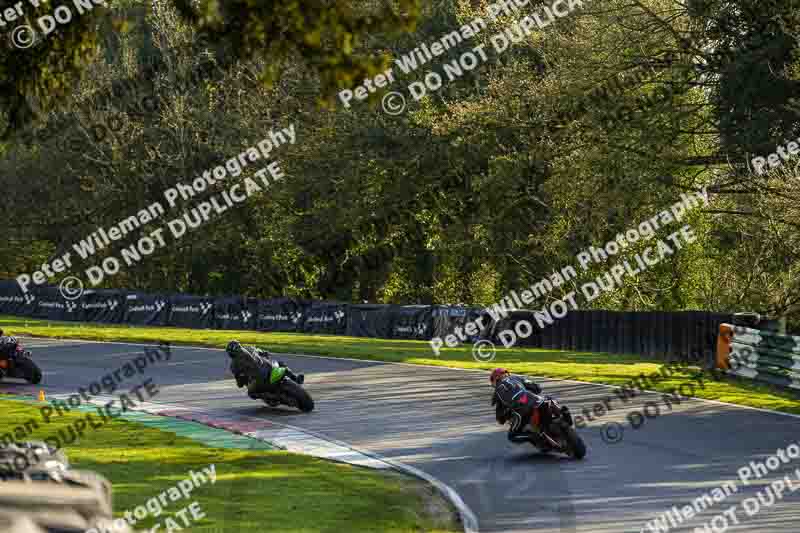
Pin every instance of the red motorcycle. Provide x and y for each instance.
(16, 362)
(558, 434)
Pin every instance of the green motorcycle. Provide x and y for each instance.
(283, 390)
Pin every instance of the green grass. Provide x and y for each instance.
(607, 368)
(254, 490)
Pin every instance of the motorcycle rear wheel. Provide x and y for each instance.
(31, 371)
(575, 444)
(304, 400)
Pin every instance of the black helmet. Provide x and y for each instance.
(233, 348)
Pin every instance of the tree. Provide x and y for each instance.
(323, 35)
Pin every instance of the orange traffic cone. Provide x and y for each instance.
(41, 396)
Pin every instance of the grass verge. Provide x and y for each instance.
(254, 490)
(612, 369)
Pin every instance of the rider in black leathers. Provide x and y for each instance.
(6, 350)
(252, 367)
(515, 398)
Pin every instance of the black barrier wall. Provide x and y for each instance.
(325, 317)
(685, 335)
(659, 335)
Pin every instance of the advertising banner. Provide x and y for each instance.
(280, 314)
(326, 317)
(146, 309)
(191, 312)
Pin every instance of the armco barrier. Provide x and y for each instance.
(759, 355)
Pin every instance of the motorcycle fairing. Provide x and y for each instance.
(276, 374)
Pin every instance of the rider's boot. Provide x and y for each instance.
(252, 389)
(566, 414)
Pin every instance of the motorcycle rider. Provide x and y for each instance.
(5, 339)
(252, 367)
(5, 353)
(515, 398)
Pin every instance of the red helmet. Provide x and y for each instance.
(496, 373)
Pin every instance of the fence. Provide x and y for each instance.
(659, 335)
(684, 335)
(759, 355)
(113, 306)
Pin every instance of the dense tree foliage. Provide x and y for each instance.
(575, 133)
(35, 78)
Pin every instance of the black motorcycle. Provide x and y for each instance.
(16, 362)
(282, 390)
(558, 433)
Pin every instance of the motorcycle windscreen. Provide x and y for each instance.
(276, 375)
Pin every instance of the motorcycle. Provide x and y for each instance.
(559, 434)
(16, 362)
(282, 390)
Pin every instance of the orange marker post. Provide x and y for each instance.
(724, 346)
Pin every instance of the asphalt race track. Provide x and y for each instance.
(440, 421)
